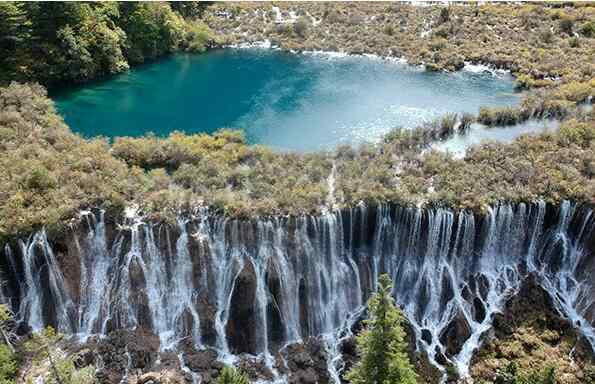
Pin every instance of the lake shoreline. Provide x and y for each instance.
(309, 95)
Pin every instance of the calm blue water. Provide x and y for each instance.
(299, 102)
(478, 133)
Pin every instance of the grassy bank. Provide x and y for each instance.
(48, 173)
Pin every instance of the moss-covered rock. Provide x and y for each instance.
(532, 337)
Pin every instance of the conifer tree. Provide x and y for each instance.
(381, 345)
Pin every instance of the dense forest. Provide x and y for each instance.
(61, 43)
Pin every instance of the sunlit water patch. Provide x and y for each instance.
(479, 133)
(289, 101)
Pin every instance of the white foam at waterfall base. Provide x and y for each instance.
(196, 378)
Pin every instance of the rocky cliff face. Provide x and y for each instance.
(281, 296)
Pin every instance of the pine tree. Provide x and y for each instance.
(230, 375)
(381, 345)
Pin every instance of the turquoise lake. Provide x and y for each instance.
(289, 101)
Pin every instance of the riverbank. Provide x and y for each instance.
(505, 36)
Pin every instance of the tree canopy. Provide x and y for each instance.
(381, 345)
(57, 43)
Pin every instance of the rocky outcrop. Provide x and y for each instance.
(533, 335)
(305, 363)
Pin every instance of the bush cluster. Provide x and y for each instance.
(47, 173)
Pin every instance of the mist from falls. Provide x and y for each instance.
(256, 286)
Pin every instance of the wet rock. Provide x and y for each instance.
(306, 362)
(84, 358)
(349, 353)
(200, 361)
(479, 310)
(304, 376)
(532, 303)
(105, 376)
(455, 335)
(241, 327)
(427, 372)
(255, 368)
(151, 377)
(529, 329)
(426, 336)
(161, 377)
(127, 350)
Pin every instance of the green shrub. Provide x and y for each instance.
(566, 25)
(8, 365)
(45, 348)
(512, 375)
(381, 346)
(283, 29)
(389, 30)
(230, 375)
(466, 120)
(499, 116)
(40, 179)
(60, 43)
(581, 133)
(588, 29)
(590, 373)
(441, 32)
(546, 36)
(451, 373)
(444, 15)
(447, 125)
(198, 35)
(438, 43)
(576, 91)
(8, 357)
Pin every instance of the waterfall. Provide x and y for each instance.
(564, 273)
(94, 277)
(196, 379)
(307, 276)
(34, 266)
(227, 262)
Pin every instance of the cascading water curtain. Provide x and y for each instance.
(308, 275)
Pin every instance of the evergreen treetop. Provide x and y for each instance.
(381, 345)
